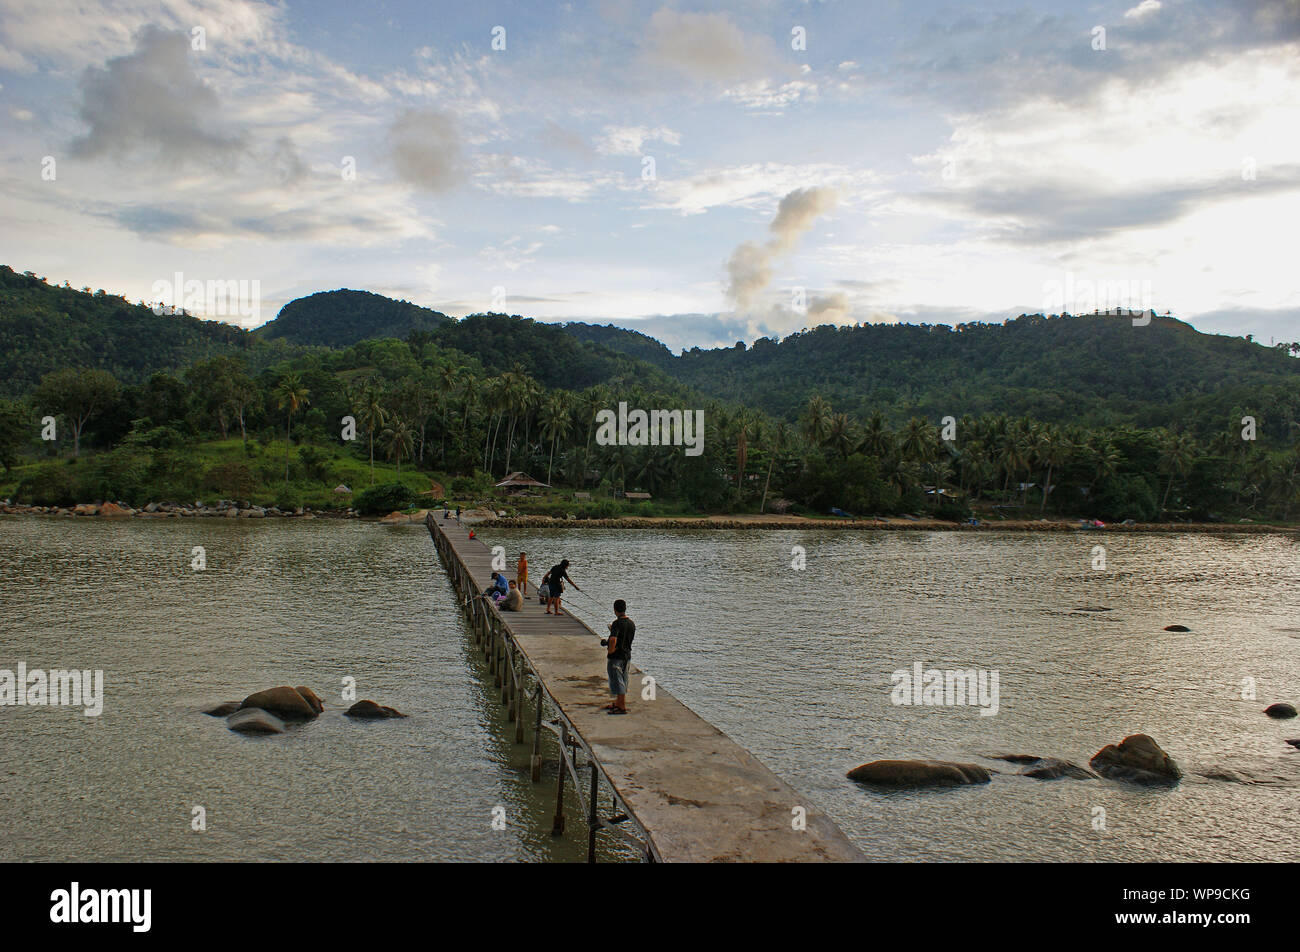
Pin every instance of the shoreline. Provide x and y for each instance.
(709, 523)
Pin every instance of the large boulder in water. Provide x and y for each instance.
(1136, 759)
(1050, 768)
(369, 710)
(311, 698)
(254, 720)
(1280, 710)
(919, 773)
(283, 701)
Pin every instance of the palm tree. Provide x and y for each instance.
(746, 423)
(778, 436)
(877, 441)
(1176, 456)
(397, 439)
(290, 396)
(373, 416)
(1052, 449)
(817, 420)
(556, 419)
(842, 435)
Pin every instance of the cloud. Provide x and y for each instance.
(749, 269)
(1142, 9)
(425, 149)
(152, 102)
(707, 47)
(630, 140)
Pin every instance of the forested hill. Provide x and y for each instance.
(44, 327)
(343, 317)
(1095, 369)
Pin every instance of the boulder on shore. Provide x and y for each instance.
(1280, 709)
(1136, 759)
(369, 710)
(254, 720)
(283, 701)
(1050, 768)
(919, 773)
(312, 698)
(224, 709)
(113, 509)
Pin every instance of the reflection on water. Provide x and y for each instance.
(297, 603)
(793, 664)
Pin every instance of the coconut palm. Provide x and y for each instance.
(373, 416)
(397, 439)
(290, 396)
(1176, 455)
(556, 418)
(817, 420)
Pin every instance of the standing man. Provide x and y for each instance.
(554, 579)
(618, 654)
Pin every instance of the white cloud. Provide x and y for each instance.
(630, 140)
(1143, 9)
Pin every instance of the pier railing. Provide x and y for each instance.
(511, 670)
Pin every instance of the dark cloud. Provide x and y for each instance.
(152, 103)
(1031, 213)
(424, 146)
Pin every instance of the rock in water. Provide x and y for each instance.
(1137, 759)
(919, 773)
(1016, 758)
(1294, 742)
(369, 710)
(225, 709)
(1051, 768)
(1280, 710)
(1177, 628)
(254, 720)
(283, 701)
(311, 698)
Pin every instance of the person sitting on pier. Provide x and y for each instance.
(498, 588)
(554, 579)
(618, 654)
(514, 600)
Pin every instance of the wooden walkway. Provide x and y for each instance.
(695, 794)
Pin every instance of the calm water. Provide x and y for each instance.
(793, 664)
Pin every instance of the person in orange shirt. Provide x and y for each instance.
(521, 573)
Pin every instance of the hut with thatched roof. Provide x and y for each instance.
(519, 482)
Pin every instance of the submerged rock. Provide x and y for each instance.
(1136, 759)
(283, 701)
(254, 720)
(1050, 768)
(1280, 710)
(369, 710)
(1177, 628)
(224, 709)
(919, 773)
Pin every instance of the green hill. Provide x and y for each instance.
(343, 317)
(44, 327)
(1085, 369)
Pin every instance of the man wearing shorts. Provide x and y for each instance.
(619, 654)
(521, 573)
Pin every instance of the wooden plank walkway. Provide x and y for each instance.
(697, 794)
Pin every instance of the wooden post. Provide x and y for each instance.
(557, 826)
(592, 814)
(518, 715)
(537, 737)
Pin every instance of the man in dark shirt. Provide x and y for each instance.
(619, 644)
(554, 581)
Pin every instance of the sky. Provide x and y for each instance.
(705, 173)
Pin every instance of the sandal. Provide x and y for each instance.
(615, 710)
